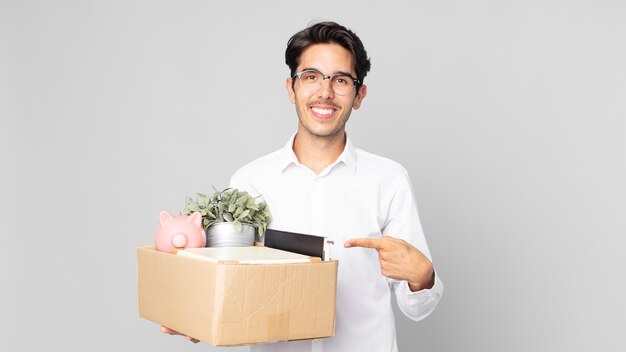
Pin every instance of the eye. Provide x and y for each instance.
(310, 76)
(341, 80)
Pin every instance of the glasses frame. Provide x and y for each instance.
(299, 74)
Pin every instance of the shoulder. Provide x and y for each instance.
(388, 178)
(373, 164)
(260, 166)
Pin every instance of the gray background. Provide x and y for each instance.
(509, 116)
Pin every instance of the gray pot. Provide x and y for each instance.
(225, 234)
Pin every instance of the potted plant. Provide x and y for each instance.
(230, 217)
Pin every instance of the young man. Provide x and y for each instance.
(319, 183)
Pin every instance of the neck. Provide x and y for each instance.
(317, 153)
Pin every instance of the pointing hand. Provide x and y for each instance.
(399, 260)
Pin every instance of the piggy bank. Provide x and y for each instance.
(179, 231)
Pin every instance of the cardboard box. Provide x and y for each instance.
(227, 303)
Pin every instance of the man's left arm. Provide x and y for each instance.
(404, 255)
(417, 287)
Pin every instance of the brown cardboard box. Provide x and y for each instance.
(227, 303)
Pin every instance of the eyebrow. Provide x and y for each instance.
(338, 72)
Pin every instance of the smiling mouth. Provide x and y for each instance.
(323, 113)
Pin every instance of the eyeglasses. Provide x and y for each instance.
(341, 83)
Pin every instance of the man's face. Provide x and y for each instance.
(322, 113)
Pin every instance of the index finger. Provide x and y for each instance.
(375, 243)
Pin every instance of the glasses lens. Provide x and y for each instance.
(342, 84)
(312, 81)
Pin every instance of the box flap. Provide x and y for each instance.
(245, 255)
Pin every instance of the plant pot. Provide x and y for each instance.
(225, 234)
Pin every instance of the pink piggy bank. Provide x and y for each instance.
(179, 231)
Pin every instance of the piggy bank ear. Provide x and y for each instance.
(165, 217)
(196, 218)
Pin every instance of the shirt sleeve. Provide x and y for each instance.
(240, 181)
(418, 305)
(403, 223)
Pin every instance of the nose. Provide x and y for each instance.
(179, 240)
(326, 89)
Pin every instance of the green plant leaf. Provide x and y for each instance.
(231, 205)
(243, 215)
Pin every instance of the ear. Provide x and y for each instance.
(196, 218)
(290, 91)
(165, 217)
(360, 95)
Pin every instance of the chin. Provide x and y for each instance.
(320, 129)
(322, 133)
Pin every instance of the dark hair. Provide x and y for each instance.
(328, 32)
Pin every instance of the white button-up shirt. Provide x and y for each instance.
(359, 195)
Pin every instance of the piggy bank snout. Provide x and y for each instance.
(179, 240)
(179, 231)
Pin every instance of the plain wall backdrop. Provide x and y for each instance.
(509, 116)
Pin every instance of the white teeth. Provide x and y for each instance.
(323, 111)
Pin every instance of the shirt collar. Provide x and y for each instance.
(347, 156)
(288, 156)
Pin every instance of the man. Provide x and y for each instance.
(319, 183)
